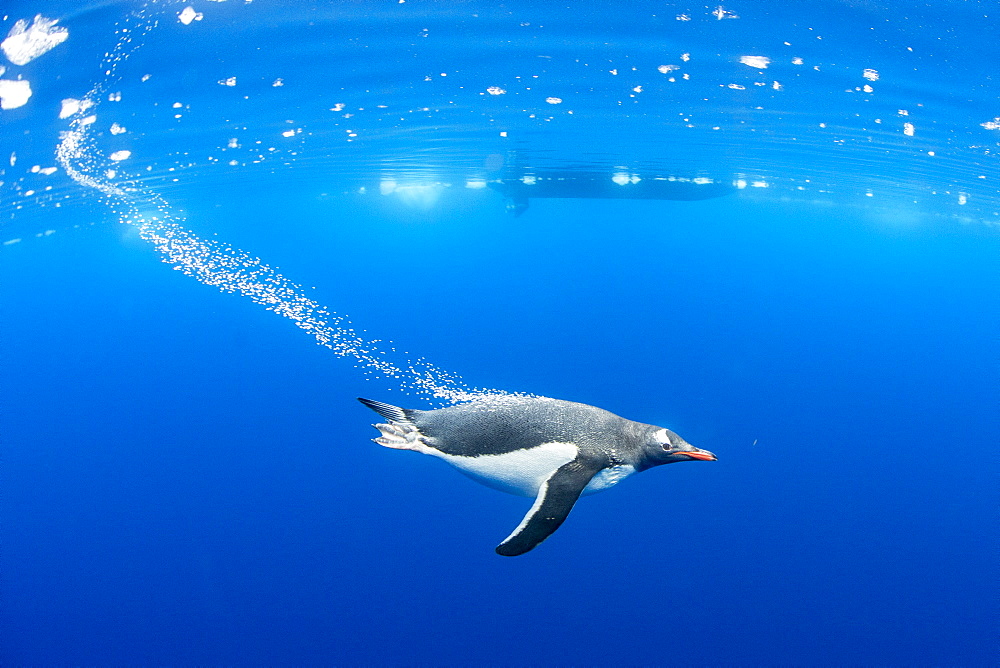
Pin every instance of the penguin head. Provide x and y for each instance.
(665, 447)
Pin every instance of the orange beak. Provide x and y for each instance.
(704, 456)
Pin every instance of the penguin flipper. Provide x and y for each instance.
(555, 499)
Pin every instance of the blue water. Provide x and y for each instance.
(188, 480)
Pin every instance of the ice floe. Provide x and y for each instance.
(24, 43)
(14, 93)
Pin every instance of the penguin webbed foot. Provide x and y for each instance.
(400, 436)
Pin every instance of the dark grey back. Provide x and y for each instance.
(497, 425)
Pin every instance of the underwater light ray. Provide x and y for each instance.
(227, 268)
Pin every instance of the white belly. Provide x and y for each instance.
(520, 472)
(608, 478)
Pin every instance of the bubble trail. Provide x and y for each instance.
(235, 271)
(230, 269)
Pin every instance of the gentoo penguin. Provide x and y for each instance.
(548, 449)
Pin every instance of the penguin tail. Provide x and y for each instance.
(400, 433)
(388, 411)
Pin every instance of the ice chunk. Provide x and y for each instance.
(14, 93)
(71, 106)
(760, 62)
(24, 43)
(188, 15)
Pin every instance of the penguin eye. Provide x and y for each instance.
(663, 438)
